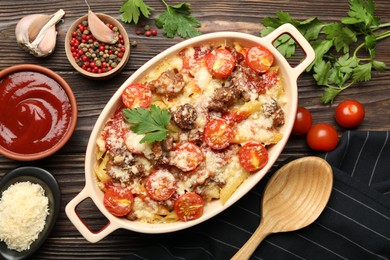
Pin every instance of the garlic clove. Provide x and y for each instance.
(37, 25)
(37, 33)
(22, 34)
(48, 42)
(100, 30)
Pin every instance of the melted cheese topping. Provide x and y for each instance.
(219, 169)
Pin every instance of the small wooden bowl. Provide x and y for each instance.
(105, 75)
(23, 117)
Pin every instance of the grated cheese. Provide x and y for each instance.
(23, 211)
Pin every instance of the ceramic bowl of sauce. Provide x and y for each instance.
(38, 112)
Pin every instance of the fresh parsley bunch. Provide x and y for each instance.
(336, 66)
(175, 20)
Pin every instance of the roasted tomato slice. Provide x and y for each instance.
(137, 95)
(220, 63)
(187, 157)
(189, 206)
(218, 134)
(234, 117)
(114, 131)
(161, 185)
(253, 156)
(260, 59)
(118, 201)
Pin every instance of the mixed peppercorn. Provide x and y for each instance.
(92, 55)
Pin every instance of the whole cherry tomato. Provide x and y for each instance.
(322, 137)
(189, 206)
(253, 156)
(349, 113)
(260, 59)
(303, 121)
(137, 95)
(160, 185)
(220, 63)
(118, 201)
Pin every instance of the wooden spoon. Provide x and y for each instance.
(293, 198)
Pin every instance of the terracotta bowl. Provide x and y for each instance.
(107, 19)
(29, 115)
(289, 76)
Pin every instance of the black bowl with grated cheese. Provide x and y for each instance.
(50, 186)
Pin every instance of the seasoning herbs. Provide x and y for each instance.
(339, 62)
(176, 19)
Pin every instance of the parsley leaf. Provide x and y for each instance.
(132, 9)
(341, 35)
(335, 66)
(152, 122)
(177, 20)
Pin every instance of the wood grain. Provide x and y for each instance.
(244, 16)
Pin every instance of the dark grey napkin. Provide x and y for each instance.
(354, 225)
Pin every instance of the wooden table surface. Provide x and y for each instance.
(67, 165)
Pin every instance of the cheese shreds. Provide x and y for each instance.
(23, 211)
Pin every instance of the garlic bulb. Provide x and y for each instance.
(100, 30)
(37, 34)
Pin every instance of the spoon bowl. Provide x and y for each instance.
(293, 198)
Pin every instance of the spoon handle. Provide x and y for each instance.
(250, 246)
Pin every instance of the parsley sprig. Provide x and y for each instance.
(152, 122)
(177, 20)
(336, 66)
(131, 10)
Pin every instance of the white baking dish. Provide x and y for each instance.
(289, 77)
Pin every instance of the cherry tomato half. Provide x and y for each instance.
(137, 95)
(161, 185)
(322, 137)
(118, 201)
(303, 121)
(189, 206)
(220, 63)
(187, 157)
(349, 113)
(218, 134)
(260, 59)
(253, 156)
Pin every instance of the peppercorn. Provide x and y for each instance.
(92, 55)
(134, 43)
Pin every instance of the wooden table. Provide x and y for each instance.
(67, 165)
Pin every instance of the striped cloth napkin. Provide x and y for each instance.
(354, 225)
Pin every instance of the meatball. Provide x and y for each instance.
(170, 83)
(185, 116)
(274, 111)
(247, 81)
(223, 98)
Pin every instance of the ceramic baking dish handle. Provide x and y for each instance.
(90, 235)
(300, 40)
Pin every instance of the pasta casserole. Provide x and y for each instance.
(191, 131)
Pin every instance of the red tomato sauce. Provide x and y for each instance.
(35, 112)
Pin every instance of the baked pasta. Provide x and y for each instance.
(223, 105)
